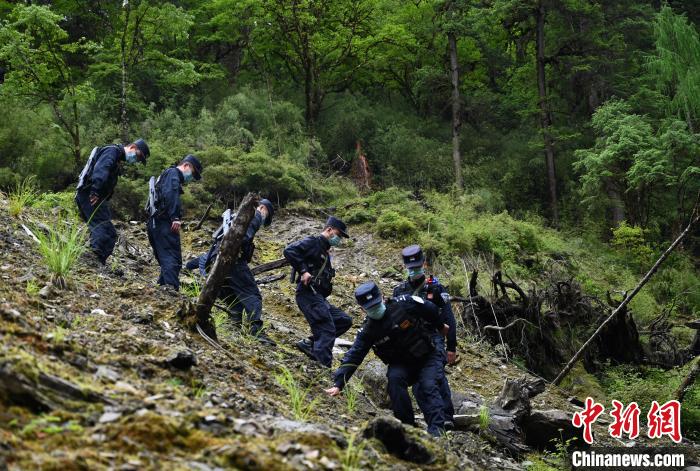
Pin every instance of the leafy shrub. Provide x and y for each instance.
(129, 199)
(392, 225)
(65, 201)
(644, 385)
(630, 240)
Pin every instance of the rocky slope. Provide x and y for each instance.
(102, 375)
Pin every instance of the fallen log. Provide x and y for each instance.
(688, 381)
(206, 214)
(279, 263)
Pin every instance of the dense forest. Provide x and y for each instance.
(513, 135)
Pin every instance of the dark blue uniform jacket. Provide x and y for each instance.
(376, 331)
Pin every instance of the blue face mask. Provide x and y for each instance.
(376, 312)
(334, 240)
(415, 273)
(131, 157)
(188, 176)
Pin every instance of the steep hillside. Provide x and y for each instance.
(103, 375)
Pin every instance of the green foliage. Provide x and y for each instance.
(676, 62)
(484, 418)
(645, 384)
(40, 54)
(23, 196)
(61, 246)
(63, 201)
(49, 425)
(392, 225)
(351, 391)
(300, 407)
(129, 199)
(630, 240)
(351, 457)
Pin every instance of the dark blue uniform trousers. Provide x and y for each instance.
(327, 322)
(241, 293)
(103, 235)
(443, 385)
(166, 248)
(425, 375)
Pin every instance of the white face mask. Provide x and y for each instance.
(131, 157)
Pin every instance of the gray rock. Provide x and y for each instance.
(108, 417)
(373, 377)
(46, 291)
(105, 372)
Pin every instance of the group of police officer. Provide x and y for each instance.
(413, 332)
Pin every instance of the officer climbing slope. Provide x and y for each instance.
(96, 184)
(429, 288)
(165, 217)
(311, 261)
(239, 290)
(400, 332)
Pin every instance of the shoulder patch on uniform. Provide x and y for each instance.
(445, 297)
(418, 299)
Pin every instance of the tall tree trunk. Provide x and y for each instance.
(76, 136)
(123, 118)
(618, 206)
(546, 116)
(456, 108)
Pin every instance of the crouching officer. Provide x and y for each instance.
(165, 217)
(96, 184)
(311, 261)
(240, 291)
(400, 332)
(429, 288)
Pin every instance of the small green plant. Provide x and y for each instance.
(58, 335)
(174, 382)
(300, 406)
(61, 246)
(24, 195)
(191, 290)
(484, 418)
(198, 388)
(49, 425)
(350, 459)
(32, 288)
(351, 393)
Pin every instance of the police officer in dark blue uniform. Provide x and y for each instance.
(400, 332)
(164, 222)
(239, 290)
(95, 187)
(311, 261)
(429, 288)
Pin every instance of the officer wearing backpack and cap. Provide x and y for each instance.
(96, 184)
(165, 217)
(239, 290)
(311, 262)
(429, 288)
(400, 332)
